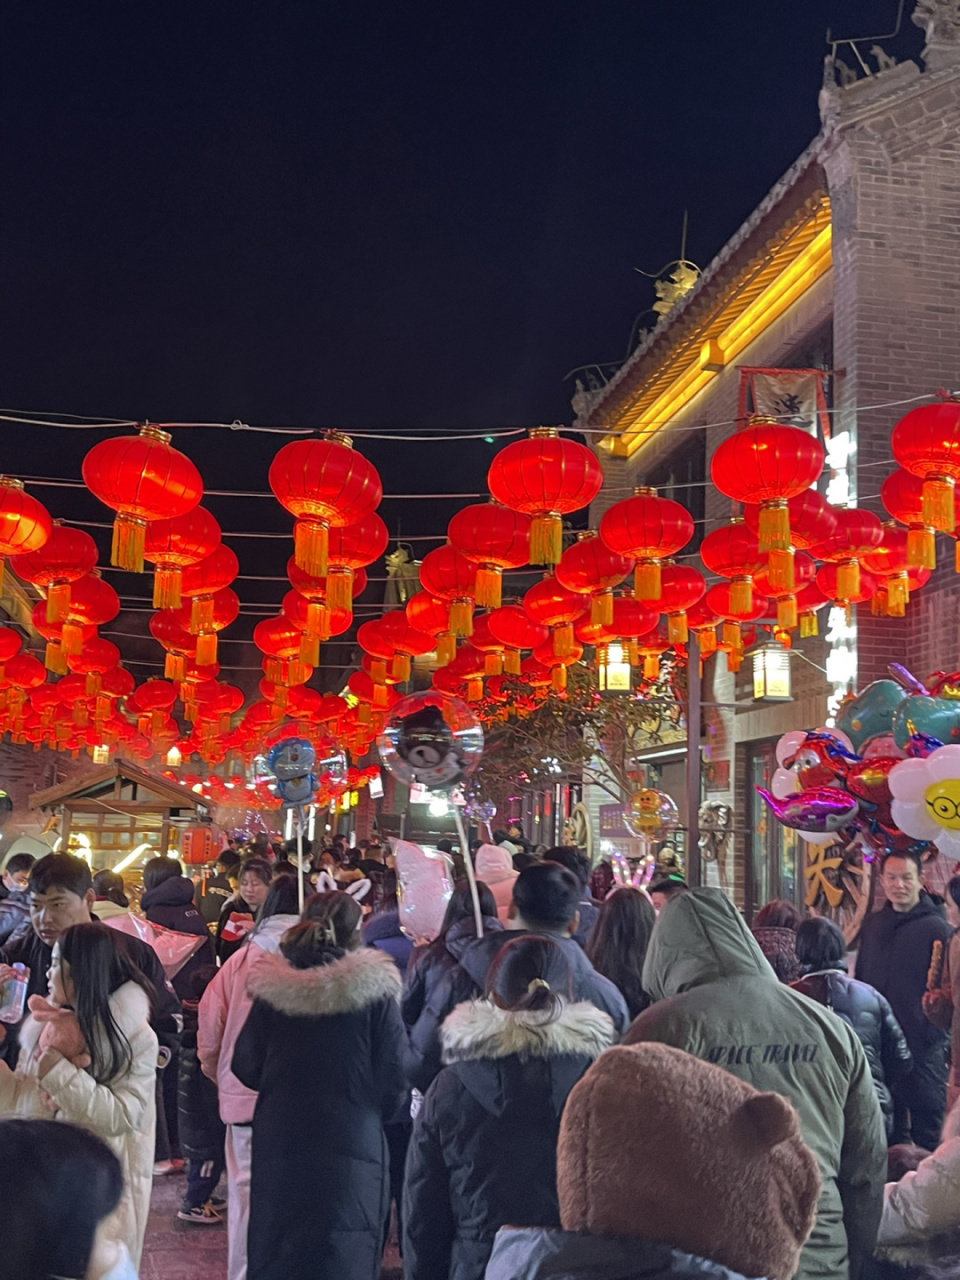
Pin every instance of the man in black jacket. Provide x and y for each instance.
(61, 895)
(895, 954)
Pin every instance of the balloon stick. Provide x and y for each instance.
(468, 863)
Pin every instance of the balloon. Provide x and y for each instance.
(882, 746)
(935, 717)
(431, 740)
(926, 802)
(818, 809)
(790, 744)
(650, 814)
(784, 782)
(480, 810)
(871, 712)
(296, 762)
(424, 888)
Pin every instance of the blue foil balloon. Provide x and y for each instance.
(292, 760)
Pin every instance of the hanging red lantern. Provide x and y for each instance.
(22, 672)
(116, 682)
(488, 644)
(545, 477)
(428, 614)
(768, 463)
(682, 587)
(733, 552)
(551, 605)
(902, 496)
(224, 610)
(25, 523)
(66, 556)
(888, 563)
(200, 582)
(177, 642)
(647, 529)
(703, 622)
(591, 569)
(407, 641)
(467, 668)
(141, 478)
(857, 533)
(804, 572)
(926, 442)
(97, 657)
(350, 548)
(449, 576)
(323, 483)
(494, 538)
(515, 630)
(812, 519)
(10, 643)
(558, 666)
(93, 603)
(843, 588)
(322, 621)
(726, 599)
(52, 632)
(174, 545)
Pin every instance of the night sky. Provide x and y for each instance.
(368, 215)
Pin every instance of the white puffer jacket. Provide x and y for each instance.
(122, 1112)
(926, 1202)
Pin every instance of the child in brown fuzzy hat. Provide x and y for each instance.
(668, 1166)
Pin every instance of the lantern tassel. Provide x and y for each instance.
(731, 635)
(938, 508)
(340, 588)
(647, 580)
(780, 571)
(787, 613)
(400, 668)
(461, 618)
(166, 587)
(206, 649)
(379, 695)
(310, 544)
(651, 666)
(734, 660)
(364, 713)
(741, 595)
(898, 594)
(378, 670)
(707, 640)
(921, 548)
(58, 602)
(546, 539)
(129, 541)
(773, 530)
(174, 667)
(677, 632)
(511, 661)
(956, 556)
(848, 580)
(92, 684)
(201, 614)
(446, 648)
(558, 678)
(493, 664)
(809, 626)
(601, 609)
(489, 587)
(474, 689)
(309, 649)
(71, 639)
(53, 658)
(563, 640)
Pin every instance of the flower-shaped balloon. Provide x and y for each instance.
(926, 798)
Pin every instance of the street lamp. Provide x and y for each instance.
(613, 669)
(771, 675)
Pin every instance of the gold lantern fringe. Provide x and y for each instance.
(58, 601)
(601, 609)
(773, 530)
(937, 498)
(174, 667)
(446, 648)
(921, 548)
(206, 649)
(493, 663)
(378, 671)
(53, 658)
(633, 653)
(809, 626)
(103, 707)
(734, 660)
(400, 668)
(741, 594)
(273, 670)
(546, 539)
(787, 612)
(780, 570)
(731, 635)
(201, 614)
(379, 694)
(511, 661)
(651, 666)
(489, 587)
(166, 587)
(71, 639)
(281, 696)
(311, 540)
(309, 649)
(956, 556)
(563, 640)
(129, 541)
(318, 620)
(898, 594)
(558, 678)
(647, 580)
(461, 618)
(340, 588)
(848, 580)
(474, 689)
(364, 713)
(92, 684)
(677, 632)
(707, 640)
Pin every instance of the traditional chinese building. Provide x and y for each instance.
(845, 274)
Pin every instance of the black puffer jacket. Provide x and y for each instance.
(466, 980)
(869, 1016)
(483, 1151)
(427, 966)
(200, 1128)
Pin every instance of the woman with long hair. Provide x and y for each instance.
(114, 1096)
(223, 1011)
(617, 946)
(322, 1049)
(483, 1151)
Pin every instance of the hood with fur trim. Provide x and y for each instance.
(356, 980)
(479, 1030)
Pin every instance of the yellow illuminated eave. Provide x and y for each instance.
(781, 293)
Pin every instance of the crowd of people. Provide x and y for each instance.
(600, 1081)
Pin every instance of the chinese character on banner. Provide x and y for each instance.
(794, 397)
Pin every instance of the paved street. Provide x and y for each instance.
(179, 1251)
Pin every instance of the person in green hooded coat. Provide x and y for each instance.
(718, 998)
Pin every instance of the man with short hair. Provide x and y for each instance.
(570, 857)
(15, 907)
(213, 890)
(663, 889)
(545, 901)
(895, 955)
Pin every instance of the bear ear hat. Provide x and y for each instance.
(765, 1121)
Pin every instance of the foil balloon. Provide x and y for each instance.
(789, 744)
(932, 717)
(431, 740)
(292, 761)
(650, 814)
(424, 887)
(480, 810)
(926, 798)
(784, 783)
(819, 810)
(870, 712)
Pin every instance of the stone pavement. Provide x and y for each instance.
(180, 1251)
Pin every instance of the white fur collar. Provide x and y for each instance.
(357, 979)
(130, 1008)
(478, 1029)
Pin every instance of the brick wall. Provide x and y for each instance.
(24, 771)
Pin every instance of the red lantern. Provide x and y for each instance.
(727, 600)
(551, 605)
(97, 657)
(449, 576)
(515, 630)
(176, 641)
(733, 552)
(25, 523)
(66, 556)
(10, 643)
(926, 442)
(545, 477)
(200, 582)
(857, 533)
(768, 463)
(558, 666)
(352, 547)
(173, 545)
(647, 529)
(703, 622)
(224, 610)
(151, 701)
(494, 538)
(843, 589)
(93, 602)
(889, 563)
(591, 569)
(812, 519)
(20, 673)
(141, 478)
(488, 644)
(682, 587)
(323, 483)
(426, 613)
(52, 632)
(407, 641)
(902, 496)
(804, 572)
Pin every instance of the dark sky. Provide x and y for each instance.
(369, 215)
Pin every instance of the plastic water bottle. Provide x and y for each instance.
(13, 994)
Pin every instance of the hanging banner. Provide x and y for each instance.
(794, 397)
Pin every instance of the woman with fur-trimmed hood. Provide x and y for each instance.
(322, 1047)
(483, 1152)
